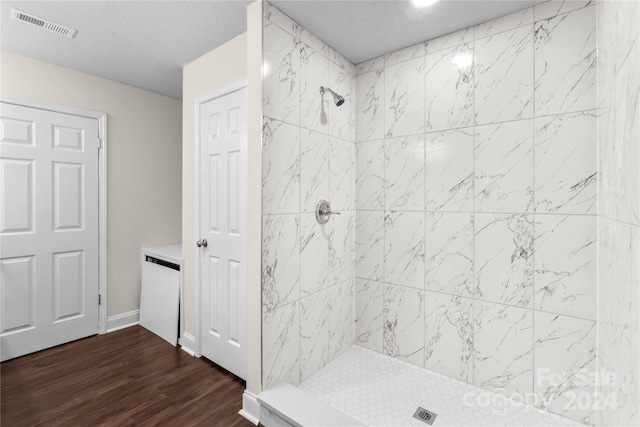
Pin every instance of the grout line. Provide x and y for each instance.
(428, 211)
(598, 385)
(300, 231)
(384, 191)
(533, 225)
(473, 217)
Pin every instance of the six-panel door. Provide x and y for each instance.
(48, 229)
(223, 224)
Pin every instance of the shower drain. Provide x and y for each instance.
(425, 416)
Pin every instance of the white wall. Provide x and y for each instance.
(143, 164)
(201, 76)
(254, 190)
(619, 212)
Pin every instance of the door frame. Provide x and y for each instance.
(102, 187)
(199, 100)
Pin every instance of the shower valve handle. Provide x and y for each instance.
(323, 212)
(328, 212)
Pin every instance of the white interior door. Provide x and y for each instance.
(48, 229)
(223, 271)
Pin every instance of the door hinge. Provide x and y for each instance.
(99, 299)
(99, 143)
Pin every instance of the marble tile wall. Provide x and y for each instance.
(475, 198)
(308, 154)
(619, 212)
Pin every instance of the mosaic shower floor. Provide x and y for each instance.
(378, 390)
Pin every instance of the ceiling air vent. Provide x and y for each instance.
(42, 23)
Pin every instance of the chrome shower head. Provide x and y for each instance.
(338, 99)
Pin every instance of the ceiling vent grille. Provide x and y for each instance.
(43, 23)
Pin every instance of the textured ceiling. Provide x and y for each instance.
(364, 29)
(146, 43)
(140, 43)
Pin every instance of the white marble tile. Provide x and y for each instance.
(561, 383)
(566, 164)
(370, 175)
(404, 324)
(565, 63)
(284, 405)
(314, 171)
(268, 417)
(369, 244)
(504, 23)
(314, 108)
(565, 265)
(370, 105)
(281, 79)
(404, 98)
(449, 88)
(615, 272)
(504, 167)
(449, 253)
(617, 352)
(404, 248)
(368, 314)
(342, 170)
(342, 246)
(503, 348)
(504, 258)
(276, 16)
(448, 341)
(372, 64)
(449, 171)
(627, 129)
(449, 40)
(341, 119)
(504, 76)
(404, 173)
(341, 318)
(281, 344)
(314, 333)
(341, 61)
(314, 255)
(405, 54)
(551, 8)
(311, 40)
(280, 260)
(280, 167)
(619, 115)
(353, 105)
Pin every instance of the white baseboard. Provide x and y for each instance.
(188, 343)
(124, 320)
(250, 407)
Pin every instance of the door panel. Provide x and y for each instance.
(68, 205)
(214, 298)
(13, 131)
(48, 229)
(68, 138)
(68, 285)
(18, 305)
(223, 215)
(16, 196)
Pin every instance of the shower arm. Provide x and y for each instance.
(326, 89)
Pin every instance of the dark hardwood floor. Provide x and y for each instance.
(128, 377)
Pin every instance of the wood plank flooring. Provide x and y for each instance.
(128, 377)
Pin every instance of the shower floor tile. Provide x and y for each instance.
(378, 390)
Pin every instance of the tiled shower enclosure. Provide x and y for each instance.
(466, 172)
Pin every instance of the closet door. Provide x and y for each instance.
(48, 229)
